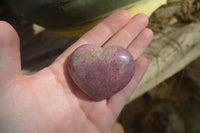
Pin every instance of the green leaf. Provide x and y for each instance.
(75, 17)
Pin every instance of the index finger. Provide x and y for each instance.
(103, 31)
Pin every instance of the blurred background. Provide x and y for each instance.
(168, 99)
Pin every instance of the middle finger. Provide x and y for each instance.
(127, 34)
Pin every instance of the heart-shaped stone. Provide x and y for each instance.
(101, 72)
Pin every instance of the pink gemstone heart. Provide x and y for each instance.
(101, 72)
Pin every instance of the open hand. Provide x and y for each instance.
(49, 101)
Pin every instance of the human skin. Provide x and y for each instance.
(49, 101)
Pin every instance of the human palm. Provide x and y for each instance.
(49, 101)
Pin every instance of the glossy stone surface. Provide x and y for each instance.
(101, 72)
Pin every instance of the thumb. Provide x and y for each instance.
(10, 64)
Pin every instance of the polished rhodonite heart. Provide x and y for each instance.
(101, 72)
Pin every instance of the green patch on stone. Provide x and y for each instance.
(90, 57)
(102, 55)
(77, 59)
